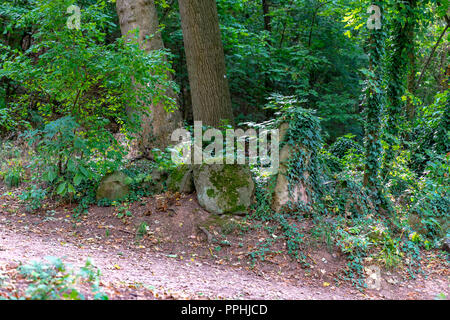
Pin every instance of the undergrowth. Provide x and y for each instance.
(53, 280)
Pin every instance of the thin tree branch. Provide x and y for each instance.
(431, 54)
(316, 12)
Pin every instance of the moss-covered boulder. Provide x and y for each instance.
(156, 180)
(181, 180)
(113, 186)
(224, 188)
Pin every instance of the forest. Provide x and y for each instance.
(228, 149)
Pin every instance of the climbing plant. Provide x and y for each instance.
(374, 105)
(402, 25)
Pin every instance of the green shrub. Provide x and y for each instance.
(68, 155)
(344, 154)
(431, 201)
(401, 180)
(348, 197)
(33, 197)
(13, 175)
(94, 84)
(431, 131)
(53, 280)
(344, 145)
(431, 209)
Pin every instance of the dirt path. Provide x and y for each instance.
(156, 262)
(182, 278)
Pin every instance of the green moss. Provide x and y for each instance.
(215, 220)
(228, 181)
(226, 223)
(239, 208)
(211, 193)
(176, 176)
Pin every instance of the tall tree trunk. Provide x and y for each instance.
(211, 101)
(401, 47)
(158, 126)
(411, 80)
(442, 77)
(268, 28)
(410, 108)
(374, 109)
(266, 15)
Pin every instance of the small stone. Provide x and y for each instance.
(392, 281)
(446, 245)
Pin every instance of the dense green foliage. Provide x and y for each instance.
(367, 110)
(77, 93)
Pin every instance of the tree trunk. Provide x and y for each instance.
(374, 109)
(411, 80)
(268, 28)
(410, 108)
(211, 101)
(442, 77)
(158, 126)
(266, 14)
(401, 46)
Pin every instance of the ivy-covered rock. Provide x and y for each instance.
(284, 192)
(113, 186)
(224, 188)
(181, 180)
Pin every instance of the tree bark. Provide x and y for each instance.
(444, 68)
(158, 126)
(211, 101)
(268, 28)
(266, 14)
(401, 46)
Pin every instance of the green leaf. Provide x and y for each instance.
(50, 176)
(61, 190)
(71, 166)
(70, 188)
(77, 179)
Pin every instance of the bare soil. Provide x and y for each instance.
(187, 253)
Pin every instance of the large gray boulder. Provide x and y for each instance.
(113, 186)
(224, 188)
